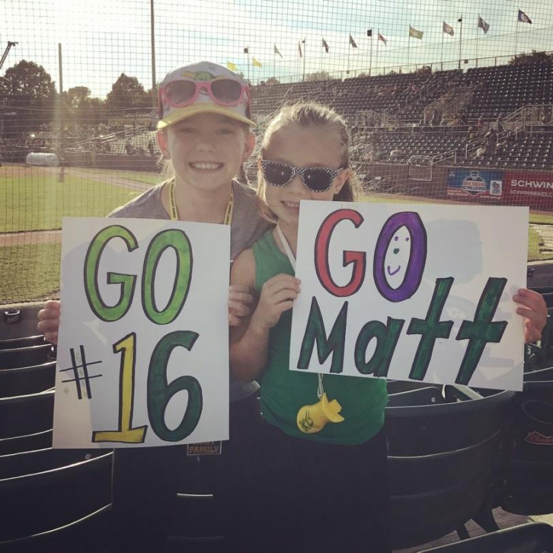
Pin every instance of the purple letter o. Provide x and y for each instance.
(417, 259)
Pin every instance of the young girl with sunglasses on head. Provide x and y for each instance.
(318, 487)
(204, 133)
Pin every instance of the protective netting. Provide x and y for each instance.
(446, 102)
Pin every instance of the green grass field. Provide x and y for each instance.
(34, 199)
(29, 272)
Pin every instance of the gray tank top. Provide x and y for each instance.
(245, 229)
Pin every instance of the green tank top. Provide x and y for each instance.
(284, 392)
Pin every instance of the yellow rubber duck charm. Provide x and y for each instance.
(313, 418)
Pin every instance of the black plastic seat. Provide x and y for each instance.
(28, 442)
(442, 462)
(90, 534)
(536, 537)
(27, 380)
(24, 342)
(27, 414)
(48, 500)
(32, 462)
(26, 356)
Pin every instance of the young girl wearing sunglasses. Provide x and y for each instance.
(204, 135)
(319, 488)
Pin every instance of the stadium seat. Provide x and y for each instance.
(535, 537)
(27, 380)
(27, 414)
(422, 396)
(90, 534)
(22, 342)
(529, 471)
(31, 462)
(29, 442)
(441, 461)
(48, 500)
(26, 356)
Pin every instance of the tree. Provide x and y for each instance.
(318, 76)
(80, 108)
(272, 80)
(534, 57)
(127, 95)
(28, 89)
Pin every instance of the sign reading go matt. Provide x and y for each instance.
(528, 188)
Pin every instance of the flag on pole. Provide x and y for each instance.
(299, 49)
(325, 45)
(483, 25)
(246, 50)
(256, 63)
(380, 37)
(523, 17)
(232, 66)
(352, 42)
(448, 29)
(414, 33)
(275, 50)
(369, 32)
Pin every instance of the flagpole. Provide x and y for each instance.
(516, 40)
(349, 52)
(442, 54)
(371, 56)
(460, 42)
(304, 55)
(248, 64)
(477, 34)
(377, 41)
(409, 52)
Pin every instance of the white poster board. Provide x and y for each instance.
(411, 292)
(143, 342)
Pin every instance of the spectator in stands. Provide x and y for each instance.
(129, 148)
(151, 147)
(206, 143)
(329, 464)
(396, 155)
(480, 152)
(491, 140)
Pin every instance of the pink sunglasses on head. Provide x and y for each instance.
(225, 92)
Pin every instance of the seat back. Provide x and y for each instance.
(51, 499)
(26, 356)
(529, 472)
(41, 460)
(28, 442)
(26, 414)
(27, 380)
(91, 534)
(440, 463)
(535, 537)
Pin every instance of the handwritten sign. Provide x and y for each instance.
(411, 292)
(143, 349)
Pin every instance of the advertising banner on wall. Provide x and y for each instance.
(528, 188)
(475, 183)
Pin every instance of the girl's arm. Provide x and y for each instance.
(534, 310)
(249, 340)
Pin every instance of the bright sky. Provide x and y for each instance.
(104, 38)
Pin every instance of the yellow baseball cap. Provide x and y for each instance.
(203, 87)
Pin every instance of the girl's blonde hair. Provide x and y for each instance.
(304, 115)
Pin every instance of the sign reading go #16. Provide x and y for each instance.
(411, 292)
(143, 349)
